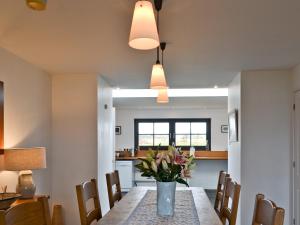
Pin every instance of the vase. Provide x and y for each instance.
(166, 198)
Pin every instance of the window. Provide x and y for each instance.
(184, 133)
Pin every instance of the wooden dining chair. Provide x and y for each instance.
(111, 180)
(230, 204)
(27, 213)
(220, 191)
(266, 212)
(85, 192)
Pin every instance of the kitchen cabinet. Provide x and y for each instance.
(126, 174)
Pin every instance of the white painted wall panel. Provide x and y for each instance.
(266, 139)
(105, 137)
(27, 114)
(74, 139)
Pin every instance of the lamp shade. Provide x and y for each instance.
(163, 96)
(143, 33)
(158, 79)
(18, 159)
(37, 4)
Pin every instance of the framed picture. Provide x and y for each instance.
(224, 129)
(233, 126)
(118, 130)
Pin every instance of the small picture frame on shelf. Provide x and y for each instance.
(224, 129)
(118, 130)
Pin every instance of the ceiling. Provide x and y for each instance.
(209, 41)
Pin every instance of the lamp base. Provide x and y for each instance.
(26, 188)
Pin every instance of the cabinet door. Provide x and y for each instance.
(125, 169)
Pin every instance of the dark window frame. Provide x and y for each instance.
(172, 131)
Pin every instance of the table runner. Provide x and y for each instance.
(145, 212)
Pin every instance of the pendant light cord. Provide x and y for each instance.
(162, 57)
(157, 49)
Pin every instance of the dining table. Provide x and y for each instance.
(138, 206)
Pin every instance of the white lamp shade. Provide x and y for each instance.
(158, 79)
(18, 159)
(37, 4)
(143, 33)
(163, 96)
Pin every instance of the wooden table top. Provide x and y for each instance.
(122, 210)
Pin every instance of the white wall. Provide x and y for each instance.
(74, 116)
(206, 173)
(296, 88)
(296, 78)
(27, 113)
(125, 119)
(265, 160)
(234, 148)
(106, 118)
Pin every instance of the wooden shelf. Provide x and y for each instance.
(199, 155)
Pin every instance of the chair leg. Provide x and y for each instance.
(57, 217)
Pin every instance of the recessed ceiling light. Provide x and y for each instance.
(216, 86)
(37, 4)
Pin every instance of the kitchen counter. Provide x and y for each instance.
(199, 155)
(205, 174)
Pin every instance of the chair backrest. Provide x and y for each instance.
(85, 192)
(230, 202)
(111, 180)
(27, 213)
(266, 212)
(220, 191)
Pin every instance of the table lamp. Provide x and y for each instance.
(24, 160)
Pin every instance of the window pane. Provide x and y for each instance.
(145, 140)
(162, 140)
(182, 140)
(161, 128)
(145, 128)
(198, 128)
(198, 140)
(182, 128)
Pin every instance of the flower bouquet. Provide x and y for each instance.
(167, 168)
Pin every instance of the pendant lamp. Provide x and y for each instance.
(158, 78)
(143, 33)
(163, 96)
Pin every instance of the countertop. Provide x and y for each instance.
(199, 155)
